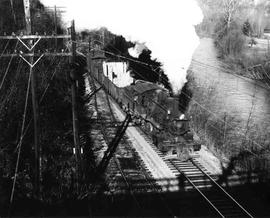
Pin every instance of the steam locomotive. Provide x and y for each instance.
(151, 107)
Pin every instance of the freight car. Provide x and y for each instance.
(151, 106)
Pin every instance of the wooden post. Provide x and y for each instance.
(225, 129)
(74, 103)
(34, 103)
(36, 130)
(268, 46)
(27, 16)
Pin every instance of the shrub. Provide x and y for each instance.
(247, 30)
(229, 40)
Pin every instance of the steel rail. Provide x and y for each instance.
(107, 141)
(127, 183)
(158, 191)
(155, 186)
(197, 189)
(223, 190)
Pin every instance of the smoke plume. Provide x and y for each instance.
(137, 49)
(166, 27)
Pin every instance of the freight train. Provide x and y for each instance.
(151, 107)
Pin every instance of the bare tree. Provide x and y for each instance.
(230, 7)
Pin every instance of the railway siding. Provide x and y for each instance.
(126, 171)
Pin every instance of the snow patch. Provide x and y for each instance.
(209, 161)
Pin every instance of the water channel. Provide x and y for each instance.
(244, 99)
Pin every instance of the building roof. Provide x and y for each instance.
(141, 87)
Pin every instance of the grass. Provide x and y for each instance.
(249, 57)
(224, 134)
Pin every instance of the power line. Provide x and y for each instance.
(231, 73)
(120, 56)
(47, 69)
(151, 66)
(49, 83)
(226, 71)
(256, 84)
(23, 132)
(7, 69)
(206, 65)
(221, 119)
(41, 99)
(140, 62)
(21, 138)
(156, 102)
(12, 88)
(194, 60)
(5, 48)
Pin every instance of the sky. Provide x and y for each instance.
(165, 26)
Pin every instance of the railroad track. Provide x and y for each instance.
(193, 175)
(108, 128)
(134, 181)
(217, 197)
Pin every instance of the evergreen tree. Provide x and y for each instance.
(247, 30)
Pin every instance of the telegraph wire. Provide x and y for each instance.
(200, 64)
(146, 64)
(161, 198)
(50, 81)
(7, 69)
(9, 94)
(218, 118)
(223, 69)
(41, 99)
(209, 111)
(5, 48)
(229, 72)
(21, 138)
(193, 60)
(182, 105)
(24, 131)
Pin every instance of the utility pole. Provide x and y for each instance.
(73, 77)
(268, 46)
(225, 129)
(27, 16)
(55, 24)
(29, 42)
(34, 103)
(92, 70)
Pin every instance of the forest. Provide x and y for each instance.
(238, 29)
(17, 173)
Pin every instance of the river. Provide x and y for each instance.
(244, 99)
